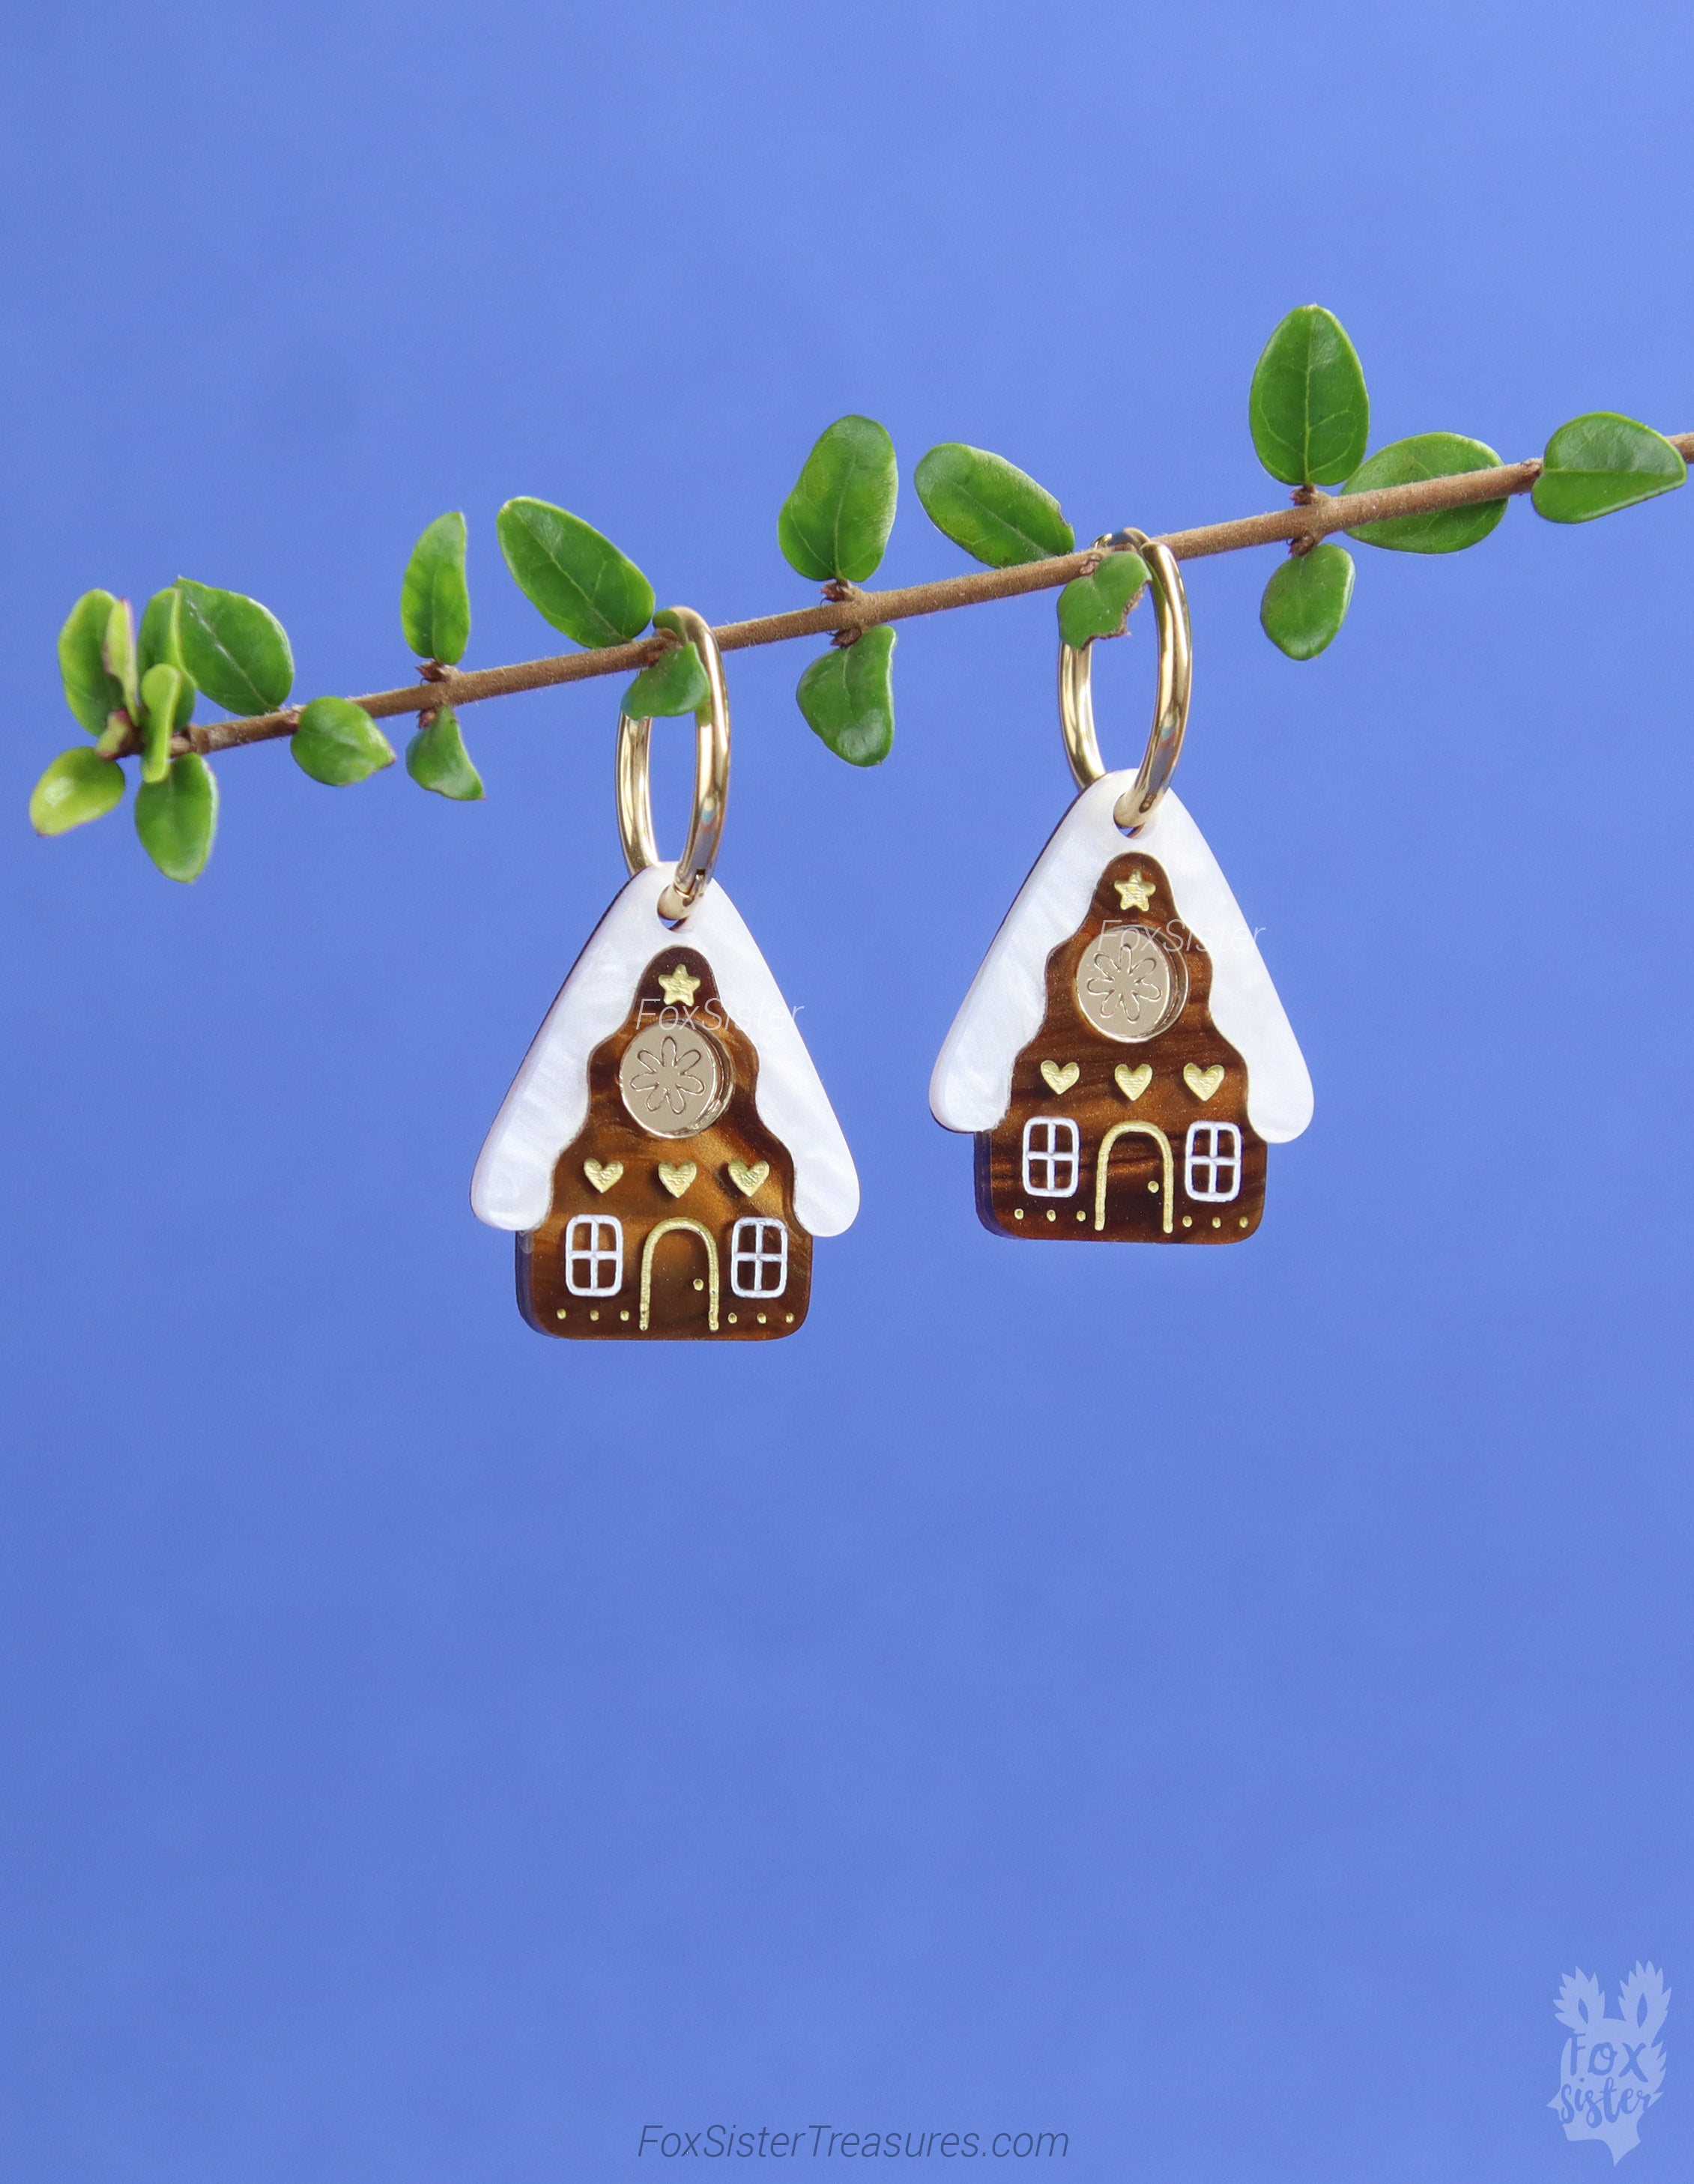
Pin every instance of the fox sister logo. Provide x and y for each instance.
(1612, 2067)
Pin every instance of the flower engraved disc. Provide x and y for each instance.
(1131, 983)
(675, 1079)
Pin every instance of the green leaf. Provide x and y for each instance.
(435, 601)
(579, 579)
(1600, 463)
(1427, 455)
(117, 654)
(176, 690)
(1098, 606)
(437, 759)
(847, 698)
(167, 705)
(992, 509)
(160, 638)
(1306, 601)
(1308, 408)
(177, 817)
(90, 691)
(237, 650)
(79, 785)
(836, 522)
(338, 743)
(164, 693)
(676, 682)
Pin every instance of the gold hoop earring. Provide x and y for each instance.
(1121, 1059)
(1138, 803)
(666, 1152)
(695, 865)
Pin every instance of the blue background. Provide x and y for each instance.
(1198, 1702)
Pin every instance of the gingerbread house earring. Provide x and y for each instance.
(1122, 1057)
(666, 1152)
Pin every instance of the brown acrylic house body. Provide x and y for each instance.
(672, 1212)
(1128, 1120)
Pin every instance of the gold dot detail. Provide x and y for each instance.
(699, 1284)
(1245, 1224)
(1187, 1221)
(1218, 1220)
(623, 1315)
(593, 1315)
(1154, 1184)
(732, 1319)
(761, 1319)
(561, 1314)
(789, 1317)
(1051, 1216)
(1018, 1214)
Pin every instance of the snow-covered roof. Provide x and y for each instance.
(548, 1102)
(972, 1086)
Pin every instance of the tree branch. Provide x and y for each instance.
(1312, 518)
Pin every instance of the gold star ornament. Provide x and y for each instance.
(677, 987)
(1136, 892)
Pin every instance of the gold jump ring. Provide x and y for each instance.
(711, 781)
(1138, 803)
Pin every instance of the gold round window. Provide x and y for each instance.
(674, 1079)
(1131, 983)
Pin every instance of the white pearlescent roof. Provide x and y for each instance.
(549, 1102)
(971, 1088)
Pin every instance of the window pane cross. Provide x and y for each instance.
(593, 1256)
(1051, 1158)
(759, 1258)
(1211, 1162)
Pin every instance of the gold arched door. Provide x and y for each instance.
(693, 1228)
(1118, 1130)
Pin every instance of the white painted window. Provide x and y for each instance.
(1211, 1162)
(593, 1256)
(1050, 1163)
(759, 1258)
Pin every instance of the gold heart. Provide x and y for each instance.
(1202, 1083)
(747, 1178)
(1060, 1075)
(677, 1176)
(603, 1174)
(1133, 1082)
